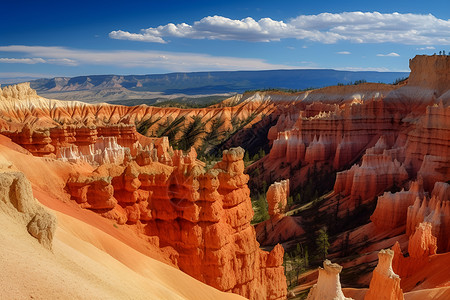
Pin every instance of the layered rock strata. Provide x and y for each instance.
(428, 146)
(68, 141)
(105, 150)
(204, 216)
(19, 105)
(379, 171)
(410, 123)
(392, 208)
(335, 136)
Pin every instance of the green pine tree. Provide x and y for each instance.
(322, 243)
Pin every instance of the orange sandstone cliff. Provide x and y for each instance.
(201, 218)
(407, 133)
(385, 284)
(390, 151)
(204, 216)
(387, 146)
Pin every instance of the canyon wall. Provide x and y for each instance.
(421, 245)
(390, 142)
(398, 133)
(20, 105)
(392, 208)
(204, 216)
(379, 171)
(436, 211)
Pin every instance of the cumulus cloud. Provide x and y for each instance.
(344, 52)
(123, 35)
(29, 61)
(358, 27)
(172, 61)
(392, 54)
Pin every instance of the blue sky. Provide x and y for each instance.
(61, 38)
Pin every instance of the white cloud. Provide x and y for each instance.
(63, 61)
(24, 74)
(369, 69)
(344, 52)
(29, 61)
(392, 54)
(36, 60)
(426, 48)
(357, 27)
(123, 35)
(172, 61)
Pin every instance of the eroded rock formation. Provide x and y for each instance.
(16, 199)
(20, 105)
(328, 286)
(204, 216)
(421, 245)
(399, 133)
(391, 210)
(435, 210)
(377, 173)
(385, 284)
(428, 146)
(277, 196)
(390, 134)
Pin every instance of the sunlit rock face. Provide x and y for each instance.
(392, 208)
(20, 105)
(385, 284)
(328, 286)
(105, 150)
(421, 245)
(277, 196)
(335, 135)
(78, 142)
(379, 137)
(434, 210)
(431, 74)
(390, 134)
(204, 216)
(376, 173)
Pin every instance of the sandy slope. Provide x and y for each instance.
(48, 178)
(78, 270)
(91, 258)
(442, 293)
(435, 294)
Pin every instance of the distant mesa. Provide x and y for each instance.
(140, 89)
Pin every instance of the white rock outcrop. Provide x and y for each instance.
(328, 286)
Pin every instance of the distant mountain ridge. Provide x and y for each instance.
(95, 88)
(217, 82)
